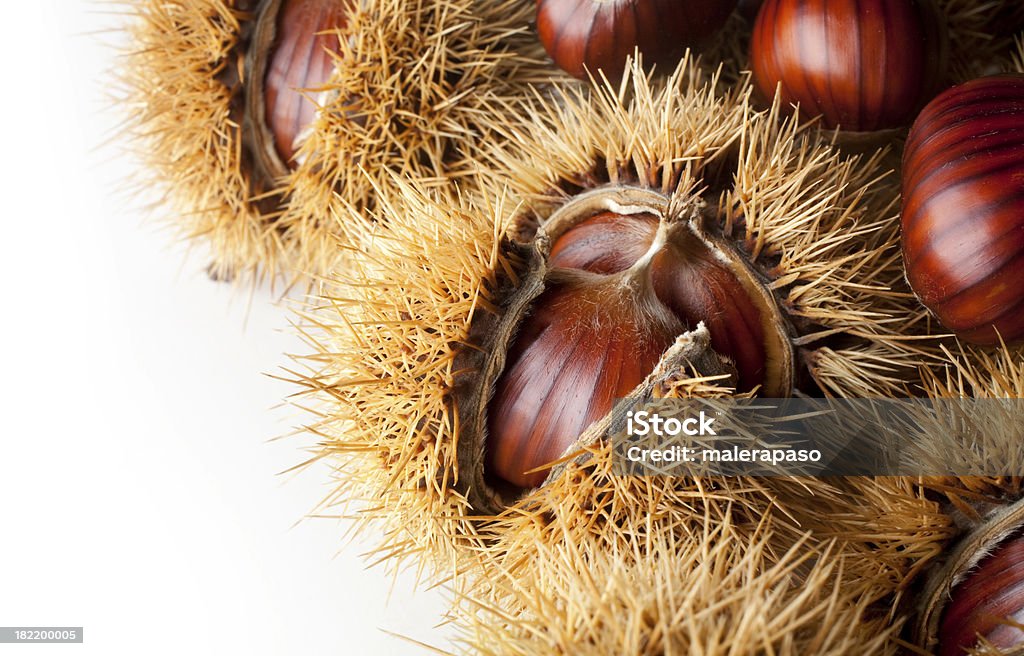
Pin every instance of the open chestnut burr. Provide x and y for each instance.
(624, 276)
(634, 274)
(617, 248)
(623, 243)
(261, 118)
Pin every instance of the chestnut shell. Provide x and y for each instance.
(987, 603)
(862, 65)
(620, 289)
(963, 209)
(301, 60)
(592, 35)
(292, 55)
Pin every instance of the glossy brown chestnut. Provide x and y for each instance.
(987, 603)
(592, 35)
(620, 294)
(292, 56)
(963, 209)
(862, 65)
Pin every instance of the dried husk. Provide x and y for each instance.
(437, 264)
(691, 353)
(730, 582)
(182, 80)
(420, 70)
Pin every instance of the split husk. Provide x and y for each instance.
(434, 265)
(420, 113)
(420, 72)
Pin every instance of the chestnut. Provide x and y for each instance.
(587, 36)
(988, 604)
(862, 65)
(620, 289)
(295, 41)
(976, 599)
(963, 209)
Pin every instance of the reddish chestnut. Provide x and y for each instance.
(963, 209)
(592, 35)
(622, 289)
(292, 54)
(862, 65)
(988, 603)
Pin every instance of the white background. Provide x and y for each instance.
(139, 489)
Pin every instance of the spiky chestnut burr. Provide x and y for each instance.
(976, 600)
(405, 337)
(393, 87)
(765, 233)
(974, 430)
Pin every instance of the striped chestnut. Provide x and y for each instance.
(590, 35)
(862, 65)
(292, 55)
(621, 284)
(963, 209)
(987, 603)
(977, 597)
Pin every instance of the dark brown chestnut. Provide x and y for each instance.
(590, 35)
(963, 209)
(621, 289)
(988, 603)
(862, 65)
(292, 55)
(973, 601)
